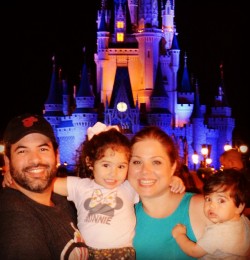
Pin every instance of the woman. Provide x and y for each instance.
(154, 160)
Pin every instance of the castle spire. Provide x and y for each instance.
(54, 102)
(185, 82)
(221, 99)
(84, 86)
(196, 110)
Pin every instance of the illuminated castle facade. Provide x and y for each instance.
(137, 84)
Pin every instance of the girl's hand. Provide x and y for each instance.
(177, 185)
(7, 179)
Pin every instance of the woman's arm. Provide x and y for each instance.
(197, 217)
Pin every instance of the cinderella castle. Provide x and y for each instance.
(139, 82)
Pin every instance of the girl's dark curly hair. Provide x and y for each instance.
(94, 149)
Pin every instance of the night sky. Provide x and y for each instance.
(210, 32)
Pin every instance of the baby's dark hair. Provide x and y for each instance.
(94, 149)
(228, 180)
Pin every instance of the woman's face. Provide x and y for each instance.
(150, 170)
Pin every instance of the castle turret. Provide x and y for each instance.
(221, 117)
(148, 37)
(85, 114)
(168, 24)
(53, 106)
(102, 55)
(159, 114)
(185, 99)
(133, 10)
(197, 120)
(173, 76)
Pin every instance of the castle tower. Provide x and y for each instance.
(185, 98)
(173, 76)
(221, 118)
(168, 23)
(159, 114)
(102, 55)
(148, 37)
(197, 119)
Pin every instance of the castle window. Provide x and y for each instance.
(120, 25)
(120, 37)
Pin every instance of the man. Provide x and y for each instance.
(232, 158)
(34, 222)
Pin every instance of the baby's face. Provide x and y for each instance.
(220, 207)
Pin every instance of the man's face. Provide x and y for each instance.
(232, 161)
(33, 162)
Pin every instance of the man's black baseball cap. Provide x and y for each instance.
(25, 124)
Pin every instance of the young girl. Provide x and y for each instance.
(228, 235)
(104, 199)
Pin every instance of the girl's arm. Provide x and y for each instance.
(60, 186)
(177, 185)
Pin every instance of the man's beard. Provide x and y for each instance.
(38, 185)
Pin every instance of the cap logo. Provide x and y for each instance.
(29, 121)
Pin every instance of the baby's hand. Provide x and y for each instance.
(178, 230)
(177, 185)
(99, 127)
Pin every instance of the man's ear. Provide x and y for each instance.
(58, 159)
(6, 163)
